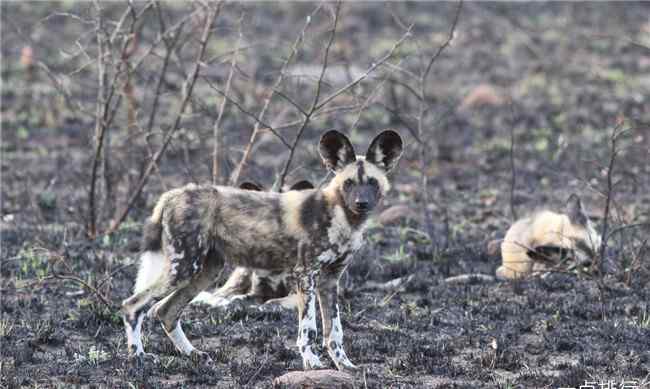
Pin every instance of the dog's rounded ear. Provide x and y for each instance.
(385, 150)
(336, 150)
(575, 211)
(302, 185)
(250, 186)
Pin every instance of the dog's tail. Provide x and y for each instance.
(152, 231)
(151, 236)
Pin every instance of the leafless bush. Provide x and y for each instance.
(632, 250)
(162, 81)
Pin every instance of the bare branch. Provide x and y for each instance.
(292, 102)
(617, 132)
(308, 115)
(169, 46)
(189, 82)
(100, 127)
(373, 94)
(234, 178)
(513, 171)
(217, 123)
(423, 145)
(69, 277)
(442, 48)
(370, 70)
(240, 107)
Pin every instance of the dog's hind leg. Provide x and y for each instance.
(168, 311)
(150, 283)
(237, 285)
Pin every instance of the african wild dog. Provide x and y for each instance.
(254, 285)
(314, 233)
(546, 238)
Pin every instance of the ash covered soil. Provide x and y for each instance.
(571, 71)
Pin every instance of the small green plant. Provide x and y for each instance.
(412, 234)
(399, 255)
(47, 200)
(32, 264)
(94, 356)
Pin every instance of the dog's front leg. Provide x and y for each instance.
(306, 274)
(307, 330)
(332, 329)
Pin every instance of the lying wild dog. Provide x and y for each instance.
(254, 285)
(313, 233)
(547, 239)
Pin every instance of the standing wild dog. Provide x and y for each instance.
(254, 285)
(314, 233)
(546, 238)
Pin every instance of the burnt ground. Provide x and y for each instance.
(557, 77)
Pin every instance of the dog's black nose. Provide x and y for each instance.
(362, 205)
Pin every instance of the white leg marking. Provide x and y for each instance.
(307, 330)
(151, 270)
(180, 340)
(335, 344)
(134, 335)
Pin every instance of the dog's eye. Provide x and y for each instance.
(373, 181)
(347, 185)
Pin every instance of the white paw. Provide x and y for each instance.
(340, 359)
(309, 359)
(345, 364)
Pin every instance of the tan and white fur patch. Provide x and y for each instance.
(532, 237)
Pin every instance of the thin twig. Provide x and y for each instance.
(240, 107)
(100, 127)
(513, 171)
(86, 285)
(613, 153)
(217, 123)
(169, 46)
(423, 108)
(626, 227)
(442, 47)
(172, 30)
(169, 49)
(372, 95)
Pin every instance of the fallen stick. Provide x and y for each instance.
(394, 284)
(470, 278)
